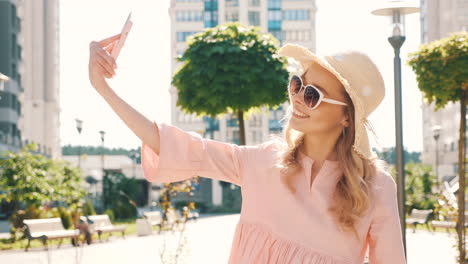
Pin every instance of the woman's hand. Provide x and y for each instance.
(101, 64)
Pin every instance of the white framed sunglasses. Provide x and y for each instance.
(312, 95)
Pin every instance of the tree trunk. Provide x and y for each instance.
(461, 177)
(240, 118)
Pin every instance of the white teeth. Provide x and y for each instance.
(300, 114)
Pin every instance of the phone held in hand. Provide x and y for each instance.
(123, 36)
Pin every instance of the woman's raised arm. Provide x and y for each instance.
(102, 66)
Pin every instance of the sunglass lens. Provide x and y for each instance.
(311, 96)
(295, 85)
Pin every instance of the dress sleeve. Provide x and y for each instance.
(385, 238)
(184, 155)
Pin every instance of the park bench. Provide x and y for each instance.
(48, 229)
(193, 215)
(101, 224)
(419, 217)
(154, 218)
(173, 218)
(448, 223)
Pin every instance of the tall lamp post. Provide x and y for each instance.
(396, 11)
(436, 135)
(79, 127)
(134, 155)
(103, 133)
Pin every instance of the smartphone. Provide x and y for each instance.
(123, 36)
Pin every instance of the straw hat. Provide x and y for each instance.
(361, 80)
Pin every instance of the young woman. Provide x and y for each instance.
(319, 195)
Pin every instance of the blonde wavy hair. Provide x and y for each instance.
(353, 194)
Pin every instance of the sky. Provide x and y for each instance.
(144, 65)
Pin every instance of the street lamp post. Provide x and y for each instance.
(103, 133)
(436, 134)
(396, 11)
(134, 155)
(79, 127)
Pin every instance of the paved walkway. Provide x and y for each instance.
(210, 242)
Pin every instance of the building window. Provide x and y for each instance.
(182, 36)
(254, 18)
(274, 15)
(297, 35)
(274, 4)
(276, 34)
(211, 4)
(211, 19)
(13, 15)
(236, 137)
(14, 45)
(189, 16)
(296, 14)
(256, 136)
(274, 20)
(255, 121)
(254, 2)
(232, 3)
(232, 16)
(14, 71)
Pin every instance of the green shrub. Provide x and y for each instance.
(66, 217)
(124, 211)
(221, 209)
(110, 213)
(30, 212)
(88, 208)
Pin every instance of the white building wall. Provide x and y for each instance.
(39, 39)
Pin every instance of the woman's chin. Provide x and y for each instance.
(296, 124)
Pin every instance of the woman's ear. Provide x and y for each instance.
(345, 121)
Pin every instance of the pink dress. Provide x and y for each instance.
(275, 225)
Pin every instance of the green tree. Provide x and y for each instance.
(389, 156)
(420, 181)
(120, 194)
(441, 69)
(230, 68)
(29, 180)
(25, 178)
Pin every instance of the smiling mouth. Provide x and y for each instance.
(298, 114)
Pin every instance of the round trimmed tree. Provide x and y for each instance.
(441, 69)
(231, 69)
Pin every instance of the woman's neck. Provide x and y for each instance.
(319, 147)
